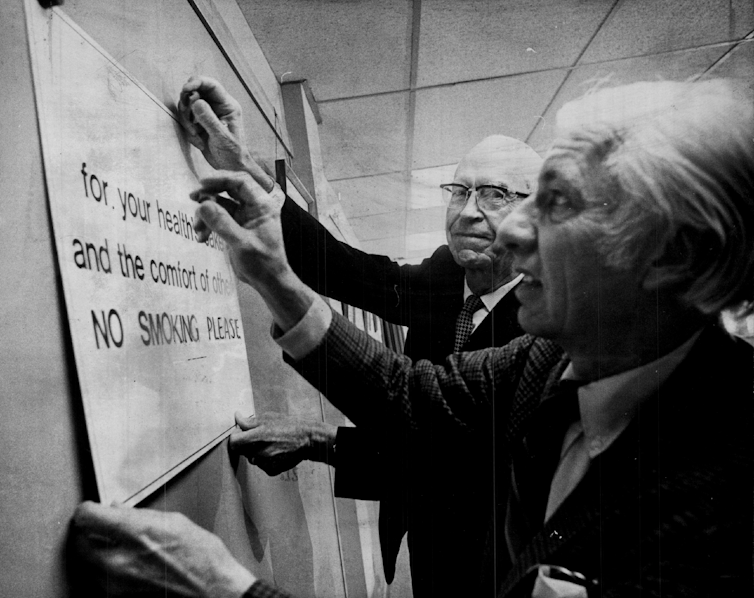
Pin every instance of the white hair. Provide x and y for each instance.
(680, 160)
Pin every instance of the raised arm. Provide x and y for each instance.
(372, 385)
(213, 122)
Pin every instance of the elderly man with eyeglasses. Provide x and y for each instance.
(459, 299)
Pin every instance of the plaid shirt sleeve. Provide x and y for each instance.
(261, 589)
(375, 387)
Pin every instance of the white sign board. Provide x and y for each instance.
(153, 314)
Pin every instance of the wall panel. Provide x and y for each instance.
(282, 528)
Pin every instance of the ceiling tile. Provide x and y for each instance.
(452, 120)
(429, 220)
(639, 27)
(343, 48)
(738, 64)
(364, 136)
(425, 186)
(675, 66)
(461, 41)
(372, 195)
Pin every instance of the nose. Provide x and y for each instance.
(471, 207)
(518, 231)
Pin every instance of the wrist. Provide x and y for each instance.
(322, 437)
(278, 283)
(287, 298)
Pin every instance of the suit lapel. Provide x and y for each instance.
(536, 382)
(589, 516)
(585, 510)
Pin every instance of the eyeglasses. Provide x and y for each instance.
(489, 198)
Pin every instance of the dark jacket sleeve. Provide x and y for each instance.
(358, 465)
(262, 589)
(399, 294)
(382, 390)
(374, 283)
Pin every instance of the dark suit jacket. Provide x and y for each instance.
(666, 510)
(426, 297)
(446, 479)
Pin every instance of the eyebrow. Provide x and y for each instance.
(564, 184)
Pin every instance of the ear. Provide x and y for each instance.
(662, 277)
(674, 264)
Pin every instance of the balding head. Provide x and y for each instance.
(498, 161)
(512, 159)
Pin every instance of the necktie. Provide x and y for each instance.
(533, 464)
(464, 324)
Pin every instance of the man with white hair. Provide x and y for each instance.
(626, 412)
(458, 299)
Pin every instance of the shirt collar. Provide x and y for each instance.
(490, 300)
(608, 405)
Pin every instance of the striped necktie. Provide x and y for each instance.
(464, 324)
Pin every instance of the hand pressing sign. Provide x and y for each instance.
(277, 443)
(141, 551)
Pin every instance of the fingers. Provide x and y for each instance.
(94, 516)
(206, 117)
(105, 526)
(257, 433)
(239, 185)
(246, 423)
(211, 217)
(251, 439)
(194, 83)
(209, 89)
(199, 86)
(221, 222)
(253, 233)
(260, 176)
(219, 101)
(241, 440)
(237, 440)
(204, 106)
(202, 230)
(186, 118)
(101, 526)
(248, 444)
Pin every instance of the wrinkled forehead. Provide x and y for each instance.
(564, 161)
(508, 166)
(571, 166)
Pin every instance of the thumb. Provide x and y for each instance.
(245, 423)
(220, 221)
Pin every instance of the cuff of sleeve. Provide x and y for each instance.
(358, 473)
(308, 333)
